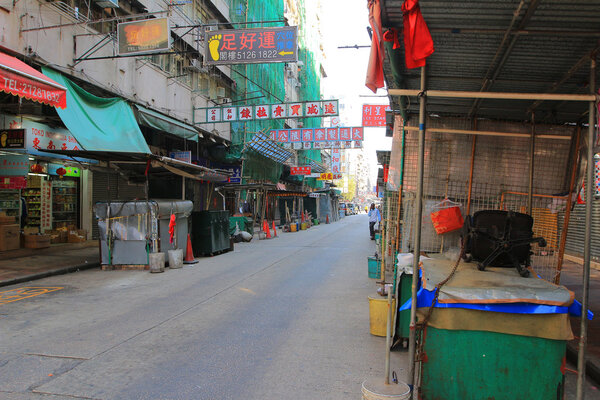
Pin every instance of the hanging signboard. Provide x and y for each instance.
(14, 165)
(146, 36)
(185, 156)
(374, 114)
(320, 138)
(251, 46)
(12, 139)
(321, 108)
(300, 170)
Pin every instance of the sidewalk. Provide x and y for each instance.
(25, 265)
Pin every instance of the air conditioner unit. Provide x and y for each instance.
(225, 100)
(220, 91)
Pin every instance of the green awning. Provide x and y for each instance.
(161, 122)
(99, 124)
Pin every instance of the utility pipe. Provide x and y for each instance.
(488, 133)
(588, 238)
(494, 95)
(417, 238)
(388, 334)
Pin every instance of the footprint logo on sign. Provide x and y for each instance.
(213, 46)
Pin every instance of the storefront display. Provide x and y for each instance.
(10, 202)
(65, 200)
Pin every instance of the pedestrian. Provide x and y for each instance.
(374, 217)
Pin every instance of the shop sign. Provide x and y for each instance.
(229, 113)
(13, 182)
(12, 139)
(46, 206)
(14, 165)
(146, 36)
(314, 195)
(325, 176)
(374, 114)
(300, 170)
(321, 138)
(236, 176)
(185, 156)
(71, 171)
(251, 46)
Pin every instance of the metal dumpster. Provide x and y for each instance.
(210, 232)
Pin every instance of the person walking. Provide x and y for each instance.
(374, 217)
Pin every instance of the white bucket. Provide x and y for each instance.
(157, 262)
(175, 258)
(376, 389)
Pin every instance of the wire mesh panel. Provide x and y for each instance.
(483, 172)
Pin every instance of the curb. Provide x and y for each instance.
(46, 274)
(591, 369)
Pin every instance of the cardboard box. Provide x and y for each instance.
(7, 219)
(31, 230)
(57, 236)
(77, 236)
(10, 237)
(37, 241)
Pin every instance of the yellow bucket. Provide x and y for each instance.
(293, 227)
(303, 226)
(378, 315)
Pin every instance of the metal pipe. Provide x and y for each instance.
(531, 165)
(417, 237)
(494, 95)
(388, 334)
(487, 133)
(589, 193)
(563, 237)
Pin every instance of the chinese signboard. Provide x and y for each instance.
(185, 156)
(46, 210)
(147, 36)
(328, 176)
(12, 139)
(245, 46)
(14, 165)
(336, 163)
(374, 114)
(300, 170)
(319, 138)
(323, 108)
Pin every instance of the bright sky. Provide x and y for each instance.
(344, 23)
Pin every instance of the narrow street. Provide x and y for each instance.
(285, 318)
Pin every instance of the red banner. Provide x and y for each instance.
(13, 182)
(21, 80)
(300, 170)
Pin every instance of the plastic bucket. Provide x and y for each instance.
(376, 389)
(293, 227)
(175, 258)
(378, 315)
(303, 226)
(157, 262)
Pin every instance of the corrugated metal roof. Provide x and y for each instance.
(547, 50)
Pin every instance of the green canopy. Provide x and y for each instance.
(161, 122)
(99, 124)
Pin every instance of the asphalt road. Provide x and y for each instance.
(285, 318)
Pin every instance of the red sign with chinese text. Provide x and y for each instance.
(300, 170)
(374, 114)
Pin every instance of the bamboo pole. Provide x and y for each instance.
(531, 165)
(563, 237)
(473, 147)
(588, 238)
(417, 238)
(493, 95)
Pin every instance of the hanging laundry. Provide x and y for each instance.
(418, 44)
(375, 67)
(172, 224)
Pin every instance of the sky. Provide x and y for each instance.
(344, 23)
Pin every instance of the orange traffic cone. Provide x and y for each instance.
(327, 219)
(189, 253)
(266, 229)
(274, 230)
(302, 217)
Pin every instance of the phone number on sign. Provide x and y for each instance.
(31, 90)
(252, 55)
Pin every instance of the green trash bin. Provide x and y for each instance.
(210, 232)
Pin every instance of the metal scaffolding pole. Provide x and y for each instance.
(589, 185)
(417, 237)
(493, 95)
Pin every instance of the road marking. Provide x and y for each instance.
(12, 295)
(247, 290)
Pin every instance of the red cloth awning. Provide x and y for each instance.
(20, 79)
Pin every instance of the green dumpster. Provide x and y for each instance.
(210, 232)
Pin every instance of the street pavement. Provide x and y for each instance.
(285, 318)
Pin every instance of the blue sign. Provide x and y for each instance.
(236, 176)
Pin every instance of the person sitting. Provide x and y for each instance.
(374, 217)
